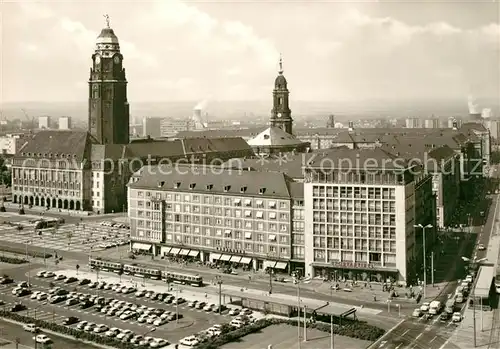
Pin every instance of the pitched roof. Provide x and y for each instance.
(244, 133)
(291, 164)
(204, 145)
(57, 143)
(474, 126)
(296, 190)
(202, 179)
(354, 159)
(108, 151)
(273, 137)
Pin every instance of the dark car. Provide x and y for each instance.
(70, 320)
(6, 280)
(86, 305)
(444, 317)
(84, 282)
(70, 280)
(18, 307)
(61, 292)
(23, 292)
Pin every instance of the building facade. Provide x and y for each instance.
(65, 123)
(281, 115)
(241, 217)
(359, 222)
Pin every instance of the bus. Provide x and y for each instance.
(181, 278)
(141, 271)
(48, 223)
(100, 264)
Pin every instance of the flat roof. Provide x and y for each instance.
(484, 280)
(289, 300)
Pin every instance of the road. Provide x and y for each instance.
(193, 320)
(432, 334)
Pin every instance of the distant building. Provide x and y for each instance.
(170, 127)
(44, 122)
(432, 123)
(493, 125)
(65, 123)
(151, 127)
(9, 144)
(331, 121)
(413, 123)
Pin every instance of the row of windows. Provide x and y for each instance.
(356, 244)
(35, 183)
(49, 191)
(215, 200)
(356, 192)
(248, 214)
(355, 231)
(358, 257)
(237, 245)
(47, 175)
(355, 205)
(356, 218)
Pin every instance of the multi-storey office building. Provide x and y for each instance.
(359, 220)
(214, 214)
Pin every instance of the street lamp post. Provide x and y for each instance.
(296, 281)
(219, 283)
(425, 264)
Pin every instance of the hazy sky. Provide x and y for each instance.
(229, 50)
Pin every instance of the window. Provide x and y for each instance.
(259, 215)
(272, 204)
(272, 215)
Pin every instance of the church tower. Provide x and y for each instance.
(281, 115)
(108, 106)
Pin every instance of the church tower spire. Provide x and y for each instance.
(108, 105)
(281, 115)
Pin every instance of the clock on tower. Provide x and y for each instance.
(108, 118)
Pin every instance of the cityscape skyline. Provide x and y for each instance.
(242, 53)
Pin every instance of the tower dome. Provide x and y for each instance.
(280, 82)
(107, 42)
(107, 36)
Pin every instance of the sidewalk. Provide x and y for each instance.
(359, 292)
(7, 344)
(463, 335)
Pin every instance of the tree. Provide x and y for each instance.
(77, 268)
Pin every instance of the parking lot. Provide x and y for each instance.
(70, 237)
(97, 303)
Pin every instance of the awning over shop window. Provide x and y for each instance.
(184, 252)
(165, 250)
(225, 257)
(193, 253)
(174, 251)
(269, 264)
(139, 246)
(245, 260)
(215, 256)
(235, 259)
(281, 265)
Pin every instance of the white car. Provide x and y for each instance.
(209, 307)
(481, 247)
(43, 339)
(417, 313)
(457, 317)
(59, 277)
(101, 328)
(128, 290)
(42, 296)
(41, 273)
(112, 332)
(158, 343)
(49, 274)
(246, 311)
(160, 321)
(236, 323)
(30, 328)
(424, 307)
(234, 312)
(123, 333)
(190, 341)
(35, 294)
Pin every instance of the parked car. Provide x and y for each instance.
(70, 280)
(84, 282)
(59, 277)
(457, 317)
(17, 307)
(70, 320)
(417, 313)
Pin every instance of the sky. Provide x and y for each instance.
(229, 50)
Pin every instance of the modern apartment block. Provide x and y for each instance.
(359, 219)
(213, 214)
